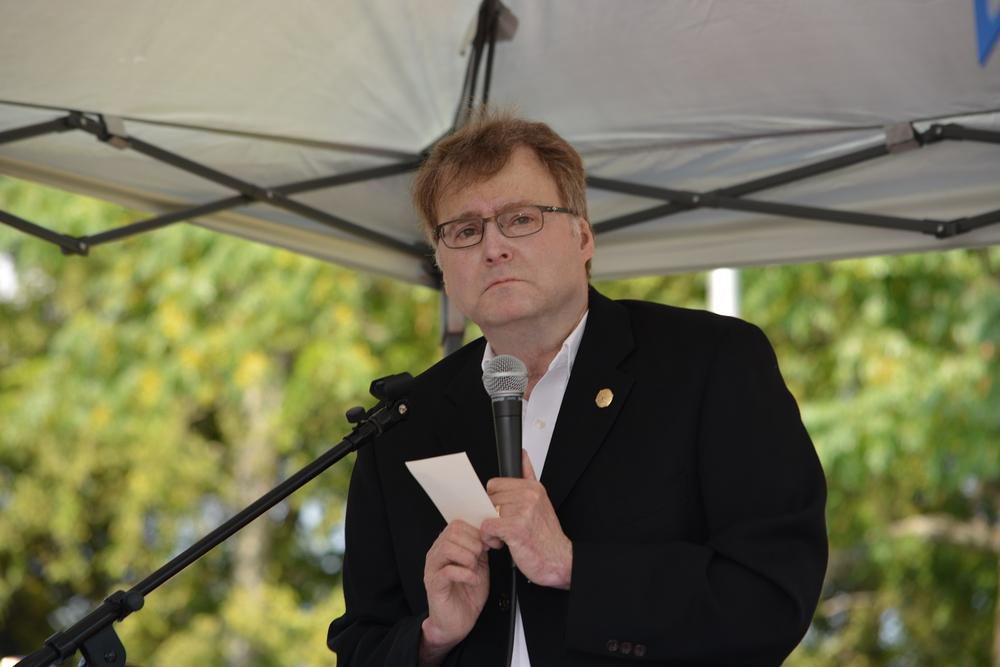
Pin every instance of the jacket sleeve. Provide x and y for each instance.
(746, 594)
(378, 627)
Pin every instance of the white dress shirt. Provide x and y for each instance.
(538, 418)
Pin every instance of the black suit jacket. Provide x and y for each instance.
(694, 501)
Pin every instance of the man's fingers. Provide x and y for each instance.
(460, 533)
(491, 530)
(488, 527)
(525, 493)
(450, 563)
(455, 555)
(497, 532)
(458, 544)
(455, 574)
(494, 542)
(500, 484)
(464, 552)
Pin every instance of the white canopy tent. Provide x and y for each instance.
(697, 119)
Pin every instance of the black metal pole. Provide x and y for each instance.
(69, 245)
(36, 130)
(245, 188)
(163, 220)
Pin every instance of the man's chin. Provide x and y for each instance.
(502, 311)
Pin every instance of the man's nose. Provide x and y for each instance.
(496, 246)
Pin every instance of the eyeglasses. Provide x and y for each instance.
(514, 222)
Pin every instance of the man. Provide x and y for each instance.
(672, 506)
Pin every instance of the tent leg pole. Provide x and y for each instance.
(452, 325)
(724, 291)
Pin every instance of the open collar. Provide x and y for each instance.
(582, 425)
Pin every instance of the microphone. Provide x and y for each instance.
(505, 379)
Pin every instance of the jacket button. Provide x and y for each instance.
(639, 650)
(504, 602)
(625, 648)
(612, 646)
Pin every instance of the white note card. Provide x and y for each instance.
(454, 488)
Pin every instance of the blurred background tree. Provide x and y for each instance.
(150, 390)
(894, 360)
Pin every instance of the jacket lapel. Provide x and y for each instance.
(583, 423)
(471, 429)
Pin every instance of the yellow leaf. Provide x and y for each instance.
(174, 322)
(252, 368)
(150, 386)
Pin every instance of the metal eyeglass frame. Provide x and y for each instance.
(439, 236)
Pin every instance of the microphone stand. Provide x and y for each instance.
(94, 635)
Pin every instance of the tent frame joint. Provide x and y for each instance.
(900, 138)
(112, 131)
(948, 228)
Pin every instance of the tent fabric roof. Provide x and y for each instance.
(688, 95)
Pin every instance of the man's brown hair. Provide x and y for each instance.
(481, 148)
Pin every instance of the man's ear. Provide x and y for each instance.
(586, 234)
(437, 265)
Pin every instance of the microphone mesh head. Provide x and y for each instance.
(505, 376)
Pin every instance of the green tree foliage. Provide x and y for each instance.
(894, 360)
(148, 391)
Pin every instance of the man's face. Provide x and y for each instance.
(532, 279)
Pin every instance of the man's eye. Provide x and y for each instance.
(466, 231)
(522, 219)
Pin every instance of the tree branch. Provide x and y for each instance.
(846, 602)
(975, 533)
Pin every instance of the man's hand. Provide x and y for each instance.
(457, 581)
(529, 527)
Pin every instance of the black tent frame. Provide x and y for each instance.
(495, 22)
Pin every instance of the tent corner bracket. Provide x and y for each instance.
(112, 131)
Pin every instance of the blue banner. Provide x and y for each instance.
(987, 29)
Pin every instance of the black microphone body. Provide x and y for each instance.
(507, 428)
(505, 379)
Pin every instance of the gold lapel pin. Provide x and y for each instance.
(604, 398)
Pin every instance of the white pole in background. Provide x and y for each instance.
(8, 280)
(724, 291)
